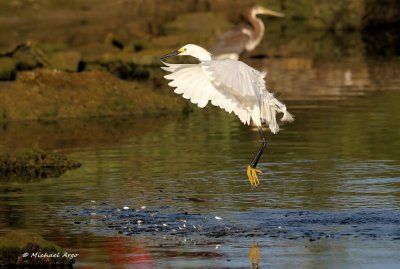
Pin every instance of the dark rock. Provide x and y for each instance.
(35, 164)
(378, 13)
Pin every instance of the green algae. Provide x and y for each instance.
(21, 249)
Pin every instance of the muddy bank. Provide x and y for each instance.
(21, 249)
(34, 164)
(284, 224)
(45, 94)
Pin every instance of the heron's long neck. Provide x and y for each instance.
(258, 32)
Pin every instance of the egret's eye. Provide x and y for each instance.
(182, 50)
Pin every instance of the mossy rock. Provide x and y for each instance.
(8, 69)
(50, 95)
(65, 61)
(35, 164)
(21, 249)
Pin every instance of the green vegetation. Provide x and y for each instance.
(15, 243)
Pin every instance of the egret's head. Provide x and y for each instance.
(265, 11)
(190, 50)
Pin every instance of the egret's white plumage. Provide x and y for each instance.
(231, 85)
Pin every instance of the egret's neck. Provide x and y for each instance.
(201, 54)
(258, 32)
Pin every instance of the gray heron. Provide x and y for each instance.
(231, 85)
(243, 37)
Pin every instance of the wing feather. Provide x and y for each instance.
(241, 79)
(193, 82)
(248, 87)
(231, 85)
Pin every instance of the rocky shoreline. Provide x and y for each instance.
(44, 94)
(84, 61)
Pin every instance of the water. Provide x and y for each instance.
(329, 194)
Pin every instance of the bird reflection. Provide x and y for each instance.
(243, 37)
(254, 255)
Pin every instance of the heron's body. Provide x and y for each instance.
(243, 37)
(229, 84)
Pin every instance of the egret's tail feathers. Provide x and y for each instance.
(287, 116)
(269, 108)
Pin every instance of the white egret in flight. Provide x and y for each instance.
(231, 85)
(242, 37)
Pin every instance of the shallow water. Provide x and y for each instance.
(329, 194)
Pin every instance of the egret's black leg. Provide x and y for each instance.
(260, 152)
(251, 169)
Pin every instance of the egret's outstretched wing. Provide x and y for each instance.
(248, 86)
(194, 83)
(237, 77)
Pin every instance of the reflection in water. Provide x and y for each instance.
(317, 66)
(127, 253)
(335, 157)
(254, 255)
(75, 134)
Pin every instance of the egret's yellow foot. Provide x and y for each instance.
(252, 175)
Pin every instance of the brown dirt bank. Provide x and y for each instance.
(45, 94)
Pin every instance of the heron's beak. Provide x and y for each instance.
(267, 11)
(170, 54)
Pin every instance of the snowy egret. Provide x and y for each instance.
(243, 37)
(231, 85)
